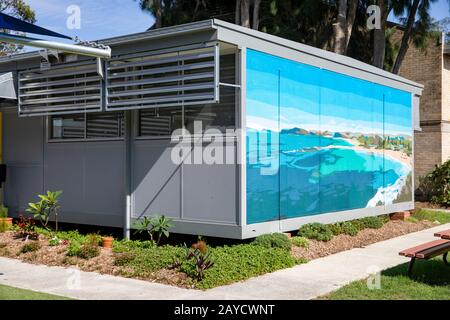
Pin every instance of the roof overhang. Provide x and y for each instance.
(244, 37)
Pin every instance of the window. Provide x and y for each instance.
(87, 126)
(159, 121)
(68, 127)
(219, 116)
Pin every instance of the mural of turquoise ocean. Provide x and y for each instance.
(320, 142)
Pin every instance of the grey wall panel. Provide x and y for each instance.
(23, 138)
(156, 180)
(23, 154)
(209, 193)
(91, 176)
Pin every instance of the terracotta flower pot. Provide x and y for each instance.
(7, 221)
(107, 242)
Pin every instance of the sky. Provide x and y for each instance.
(440, 10)
(102, 19)
(99, 19)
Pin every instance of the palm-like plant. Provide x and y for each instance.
(156, 225)
(46, 207)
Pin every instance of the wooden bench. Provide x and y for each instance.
(443, 234)
(427, 251)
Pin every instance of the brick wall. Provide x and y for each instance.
(432, 145)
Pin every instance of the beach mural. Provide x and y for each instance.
(319, 141)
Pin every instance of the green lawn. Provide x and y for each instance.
(10, 293)
(431, 215)
(431, 282)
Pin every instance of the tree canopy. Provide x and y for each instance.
(18, 9)
(335, 25)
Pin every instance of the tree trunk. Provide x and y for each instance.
(245, 13)
(353, 5)
(406, 36)
(158, 14)
(339, 28)
(256, 9)
(379, 37)
(237, 14)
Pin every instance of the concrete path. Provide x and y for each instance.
(306, 281)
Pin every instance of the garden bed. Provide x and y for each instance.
(342, 242)
(168, 264)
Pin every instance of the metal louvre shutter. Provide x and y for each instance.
(61, 90)
(173, 78)
(105, 125)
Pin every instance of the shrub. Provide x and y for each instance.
(88, 251)
(372, 222)
(336, 229)
(316, 231)
(123, 258)
(31, 246)
(274, 240)
(74, 248)
(26, 227)
(46, 207)
(196, 261)
(300, 242)
(435, 186)
(350, 228)
(3, 211)
(3, 226)
(53, 242)
(93, 239)
(156, 225)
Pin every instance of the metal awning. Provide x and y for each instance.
(10, 23)
(7, 86)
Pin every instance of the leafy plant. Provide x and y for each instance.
(73, 249)
(124, 258)
(84, 251)
(3, 211)
(26, 227)
(274, 240)
(435, 186)
(198, 260)
(350, 228)
(156, 225)
(45, 208)
(300, 242)
(161, 226)
(31, 246)
(316, 231)
(372, 222)
(93, 239)
(54, 242)
(3, 226)
(88, 251)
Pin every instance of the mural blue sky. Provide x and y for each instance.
(335, 112)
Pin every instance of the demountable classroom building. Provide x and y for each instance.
(229, 131)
